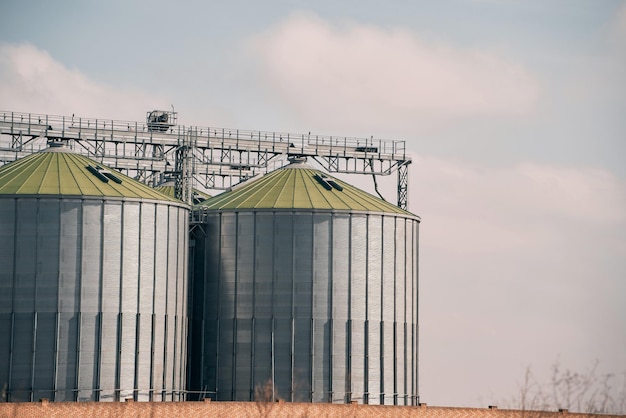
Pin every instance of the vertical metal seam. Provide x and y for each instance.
(252, 321)
(176, 347)
(79, 324)
(416, 296)
(203, 317)
(309, 354)
(272, 353)
(293, 291)
(153, 316)
(332, 312)
(348, 349)
(366, 356)
(395, 311)
(57, 323)
(33, 355)
(183, 283)
(58, 314)
(405, 258)
(120, 278)
(381, 393)
(166, 336)
(98, 355)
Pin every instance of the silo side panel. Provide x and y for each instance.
(227, 269)
(88, 360)
(45, 356)
(400, 320)
(243, 359)
(283, 359)
(8, 235)
(5, 351)
(244, 305)
(181, 304)
(245, 265)
(358, 299)
(263, 279)
(22, 358)
(130, 263)
(341, 337)
(262, 358)
(283, 267)
(111, 272)
(47, 256)
(160, 292)
(303, 307)
(388, 295)
(410, 321)
(67, 346)
(415, 279)
(374, 312)
(7, 248)
(211, 304)
(198, 317)
(146, 296)
(129, 286)
(90, 300)
(47, 279)
(322, 267)
(283, 303)
(25, 269)
(69, 304)
(172, 282)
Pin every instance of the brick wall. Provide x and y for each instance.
(255, 409)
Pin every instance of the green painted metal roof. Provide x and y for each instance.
(58, 171)
(169, 188)
(296, 187)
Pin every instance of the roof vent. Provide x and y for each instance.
(103, 175)
(323, 182)
(335, 184)
(327, 183)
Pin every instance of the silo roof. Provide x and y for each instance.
(298, 186)
(169, 188)
(59, 171)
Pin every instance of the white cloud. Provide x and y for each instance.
(519, 265)
(619, 24)
(33, 81)
(363, 76)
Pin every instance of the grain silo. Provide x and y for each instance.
(304, 288)
(93, 288)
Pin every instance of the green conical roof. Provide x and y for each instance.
(298, 186)
(169, 188)
(60, 172)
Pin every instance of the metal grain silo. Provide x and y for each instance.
(304, 288)
(93, 288)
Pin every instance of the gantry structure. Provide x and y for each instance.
(198, 157)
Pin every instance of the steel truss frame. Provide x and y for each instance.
(213, 158)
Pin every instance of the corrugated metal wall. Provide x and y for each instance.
(305, 306)
(93, 299)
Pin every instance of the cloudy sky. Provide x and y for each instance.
(514, 113)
